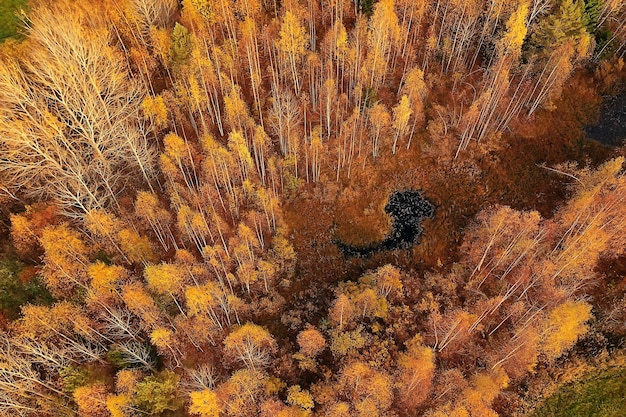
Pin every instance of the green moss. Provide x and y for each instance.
(17, 289)
(367, 7)
(117, 359)
(601, 395)
(9, 20)
(73, 377)
(369, 97)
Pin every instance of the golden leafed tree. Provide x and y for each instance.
(205, 403)
(251, 345)
(416, 370)
(563, 326)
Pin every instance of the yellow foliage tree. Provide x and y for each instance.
(165, 278)
(154, 108)
(250, 344)
(239, 395)
(163, 339)
(388, 281)
(136, 247)
(311, 342)
(485, 387)
(126, 380)
(65, 259)
(105, 279)
(205, 403)
(300, 398)
(140, 303)
(416, 370)
(91, 400)
(119, 405)
(359, 382)
(27, 227)
(563, 326)
(292, 43)
(383, 34)
(342, 311)
(401, 115)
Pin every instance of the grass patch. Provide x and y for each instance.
(601, 395)
(9, 22)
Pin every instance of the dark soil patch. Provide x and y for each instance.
(611, 126)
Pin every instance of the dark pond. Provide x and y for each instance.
(611, 127)
(407, 209)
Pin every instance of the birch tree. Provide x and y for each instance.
(71, 128)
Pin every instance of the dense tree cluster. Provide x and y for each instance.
(154, 144)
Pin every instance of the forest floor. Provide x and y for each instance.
(513, 173)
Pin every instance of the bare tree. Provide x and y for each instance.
(137, 354)
(71, 126)
(23, 391)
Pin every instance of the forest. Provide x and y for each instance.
(299, 208)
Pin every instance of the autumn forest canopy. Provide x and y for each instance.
(308, 207)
